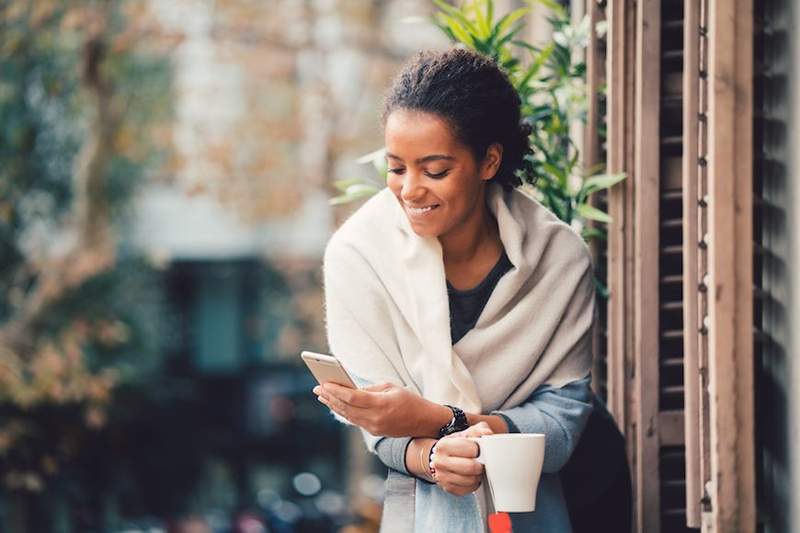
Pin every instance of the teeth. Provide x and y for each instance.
(417, 210)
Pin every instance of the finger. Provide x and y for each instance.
(448, 478)
(478, 430)
(457, 447)
(352, 416)
(335, 403)
(356, 398)
(355, 415)
(458, 466)
(334, 389)
(457, 490)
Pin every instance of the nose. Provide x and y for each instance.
(413, 188)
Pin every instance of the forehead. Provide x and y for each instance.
(410, 134)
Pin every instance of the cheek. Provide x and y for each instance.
(394, 182)
(457, 194)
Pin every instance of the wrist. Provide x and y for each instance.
(458, 422)
(437, 416)
(426, 450)
(497, 423)
(418, 458)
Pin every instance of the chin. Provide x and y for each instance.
(424, 230)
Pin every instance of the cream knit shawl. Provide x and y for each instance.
(387, 311)
(388, 317)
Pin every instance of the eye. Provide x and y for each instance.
(396, 170)
(438, 175)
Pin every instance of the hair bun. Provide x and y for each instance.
(475, 96)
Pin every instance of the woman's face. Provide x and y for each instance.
(436, 179)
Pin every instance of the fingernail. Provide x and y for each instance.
(316, 390)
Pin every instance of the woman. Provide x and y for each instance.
(461, 305)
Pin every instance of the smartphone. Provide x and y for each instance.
(327, 369)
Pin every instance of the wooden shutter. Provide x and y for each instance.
(680, 251)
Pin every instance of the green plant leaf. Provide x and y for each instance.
(355, 192)
(507, 20)
(602, 289)
(456, 14)
(599, 182)
(537, 64)
(482, 23)
(460, 33)
(588, 233)
(590, 212)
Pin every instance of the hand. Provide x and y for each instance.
(457, 471)
(385, 409)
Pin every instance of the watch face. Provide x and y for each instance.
(460, 420)
(457, 423)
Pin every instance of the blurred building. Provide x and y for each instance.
(273, 101)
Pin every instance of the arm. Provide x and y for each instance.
(560, 413)
(400, 422)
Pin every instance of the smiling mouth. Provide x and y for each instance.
(421, 210)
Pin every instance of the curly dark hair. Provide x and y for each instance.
(474, 95)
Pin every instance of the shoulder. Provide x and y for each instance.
(541, 223)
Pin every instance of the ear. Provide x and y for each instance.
(491, 161)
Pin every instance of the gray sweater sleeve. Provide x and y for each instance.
(560, 413)
(392, 452)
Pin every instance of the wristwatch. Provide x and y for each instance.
(457, 423)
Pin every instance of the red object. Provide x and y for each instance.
(500, 523)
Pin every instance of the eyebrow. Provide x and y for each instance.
(426, 159)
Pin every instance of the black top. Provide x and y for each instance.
(466, 305)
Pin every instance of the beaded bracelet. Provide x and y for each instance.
(430, 460)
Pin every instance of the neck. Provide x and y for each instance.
(464, 242)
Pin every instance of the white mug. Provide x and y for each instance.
(513, 466)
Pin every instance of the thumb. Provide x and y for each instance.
(478, 430)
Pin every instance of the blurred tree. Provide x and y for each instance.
(81, 103)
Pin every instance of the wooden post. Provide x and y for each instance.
(620, 96)
(732, 485)
(646, 300)
(621, 56)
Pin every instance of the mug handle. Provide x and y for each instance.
(479, 458)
